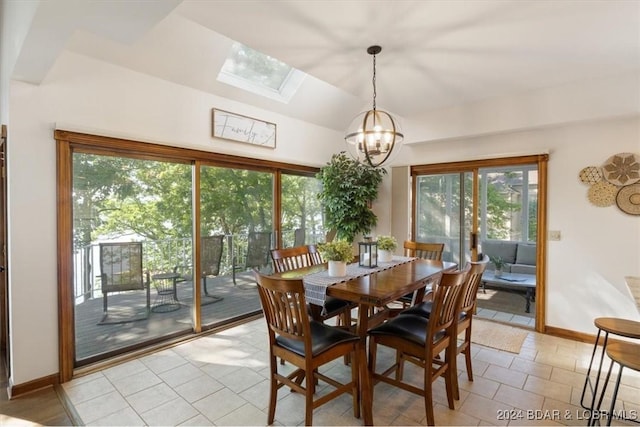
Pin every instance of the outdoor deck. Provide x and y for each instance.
(94, 337)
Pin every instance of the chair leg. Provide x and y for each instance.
(355, 378)
(273, 392)
(428, 395)
(467, 353)
(308, 406)
(450, 375)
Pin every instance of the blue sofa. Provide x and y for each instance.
(520, 257)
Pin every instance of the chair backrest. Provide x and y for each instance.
(423, 250)
(314, 255)
(211, 256)
(285, 309)
(474, 277)
(298, 237)
(290, 258)
(446, 303)
(121, 266)
(258, 249)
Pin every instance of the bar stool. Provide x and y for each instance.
(608, 325)
(627, 355)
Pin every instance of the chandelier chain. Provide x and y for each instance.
(374, 82)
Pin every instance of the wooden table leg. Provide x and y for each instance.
(366, 389)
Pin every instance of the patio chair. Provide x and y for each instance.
(258, 253)
(211, 256)
(121, 271)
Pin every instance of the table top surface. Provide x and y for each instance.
(615, 325)
(625, 353)
(514, 279)
(381, 287)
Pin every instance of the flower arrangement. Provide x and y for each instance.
(337, 250)
(387, 243)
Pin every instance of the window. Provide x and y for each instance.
(261, 74)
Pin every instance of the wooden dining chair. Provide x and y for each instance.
(467, 311)
(287, 259)
(306, 344)
(419, 340)
(424, 251)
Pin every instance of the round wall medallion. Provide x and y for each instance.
(602, 194)
(591, 175)
(628, 199)
(622, 169)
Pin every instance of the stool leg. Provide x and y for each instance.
(597, 382)
(592, 419)
(615, 395)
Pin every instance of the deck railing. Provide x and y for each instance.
(163, 256)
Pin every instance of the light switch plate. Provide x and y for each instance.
(555, 235)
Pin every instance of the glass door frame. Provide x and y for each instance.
(474, 166)
(68, 142)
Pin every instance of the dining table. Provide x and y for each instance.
(373, 293)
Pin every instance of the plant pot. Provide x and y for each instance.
(385, 255)
(337, 268)
(497, 272)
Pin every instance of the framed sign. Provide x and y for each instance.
(236, 127)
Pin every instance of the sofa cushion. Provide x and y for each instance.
(523, 269)
(526, 254)
(503, 249)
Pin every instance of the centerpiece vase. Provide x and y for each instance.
(337, 268)
(385, 255)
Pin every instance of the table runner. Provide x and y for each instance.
(316, 284)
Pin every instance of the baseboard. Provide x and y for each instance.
(571, 335)
(16, 390)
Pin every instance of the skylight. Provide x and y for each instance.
(261, 74)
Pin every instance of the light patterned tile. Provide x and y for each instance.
(152, 397)
(181, 374)
(219, 404)
(163, 361)
(88, 390)
(245, 415)
(171, 413)
(198, 388)
(519, 398)
(532, 368)
(561, 392)
(100, 407)
(241, 380)
(125, 417)
(506, 376)
(487, 410)
(136, 382)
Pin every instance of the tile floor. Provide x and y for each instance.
(221, 379)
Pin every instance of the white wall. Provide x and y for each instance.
(599, 246)
(87, 95)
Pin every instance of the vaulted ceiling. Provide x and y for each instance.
(436, 53)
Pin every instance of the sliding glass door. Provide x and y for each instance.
(490, 207)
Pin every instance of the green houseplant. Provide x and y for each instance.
(348, 188)
(386, 246)
(337, 254)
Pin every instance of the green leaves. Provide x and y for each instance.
(348, 189)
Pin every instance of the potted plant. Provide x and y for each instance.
(337, 253)
(499, 264)
(348, 189)
(386, 246)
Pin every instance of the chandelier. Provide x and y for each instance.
(373, 135)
